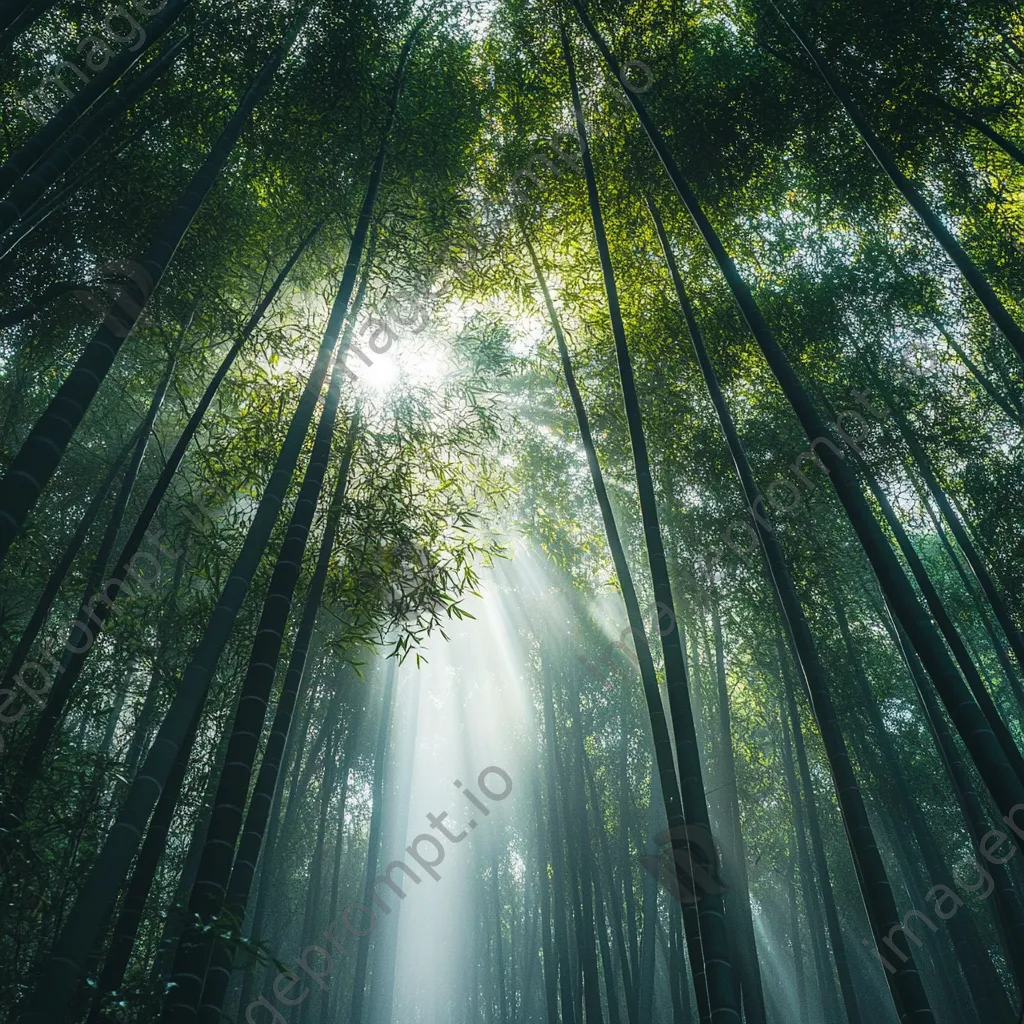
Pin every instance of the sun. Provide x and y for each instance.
(381, 375)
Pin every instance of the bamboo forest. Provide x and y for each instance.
(511, 512)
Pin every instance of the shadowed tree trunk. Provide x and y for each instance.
(714, 944)
(315, 888)
(908, 993)
(75, 657)
(625, 860)
(977, 600)
(604, 881)
(16, 16)
(649, 916)
(76, 654)
(980, 125)
(584, 860)
(1009, 909)
(268, 878)
(924, 466)
(839, 955)
(1010, 406)
(558, 869)
(126, 927)
(82, 635)
(382, 987)
(947, 628)
(39, 302)
(175, 920)
(332, 1003)
(669, 787)
(796, 945)
(209, 891)
(828, 995)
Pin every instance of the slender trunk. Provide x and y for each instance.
(795, 944)
(304, 772)
(698, 691)
(548, 962)
(665, 765)
(980, 125)
(17, 16)
(999, 359)
(677, 965)
(649, 910)
(48, 205)
(382, 986)
(1012, 411)
(39, 213)
(1009, 909)
(750, 968)
(315, 887)
(126, 928)
(626, 860)
(714, 943)
(373, 844)
(144, 723)
(971, 553)
(968, 268)
(939, 969)
(828, 899)
(584, 864)
(977, 600)
(43, 449)
(268, 882)
(351, 736)
(672, 955)
(175, 921)
(603, 880)
(74, 661)
(828, 995)
(569, 1013)
(714, 755)
(51, 293)
(607, 964)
